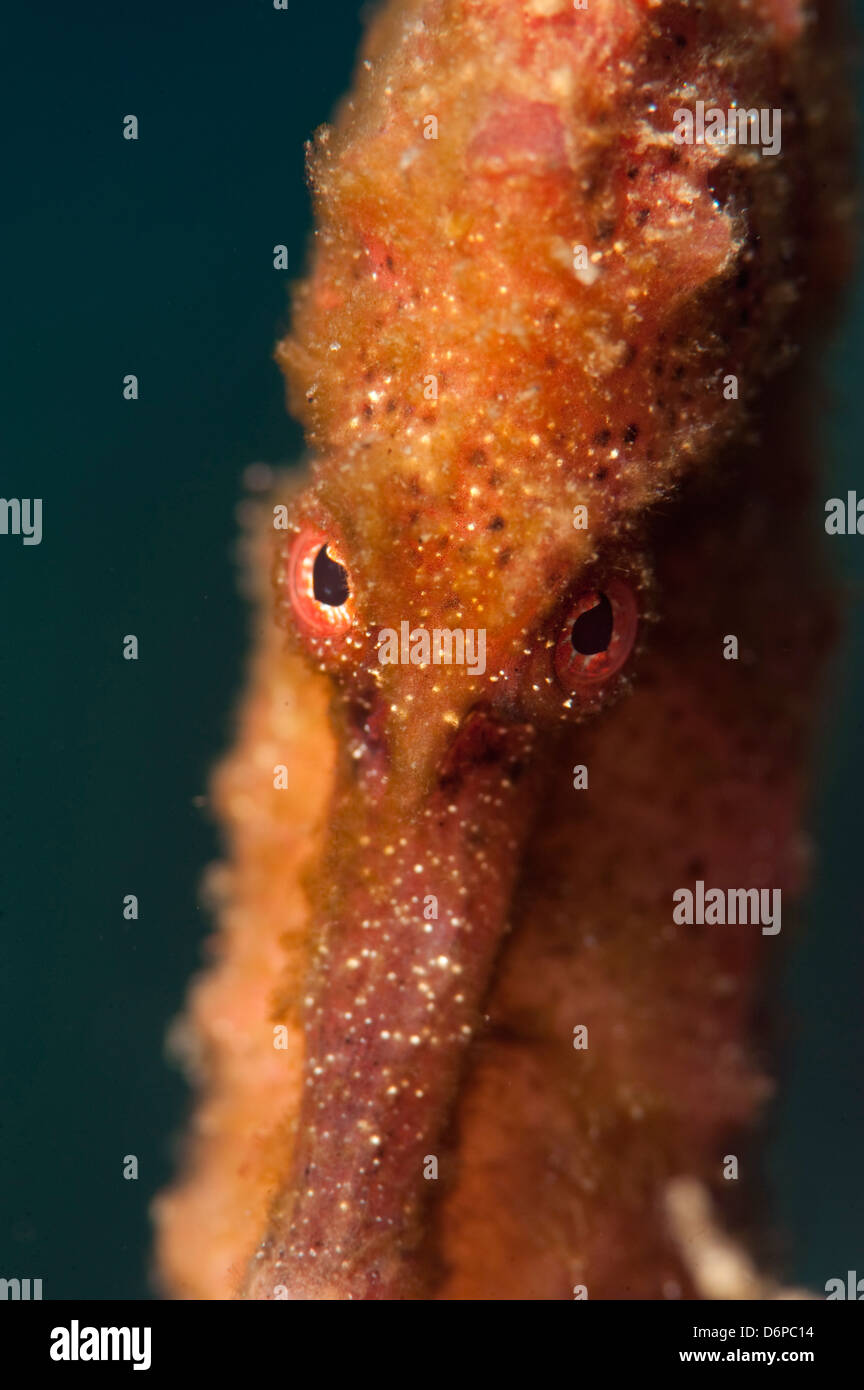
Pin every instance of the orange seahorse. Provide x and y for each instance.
(454, 1045)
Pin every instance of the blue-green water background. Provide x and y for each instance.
(155, 258)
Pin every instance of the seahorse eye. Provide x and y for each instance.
(329, 580)
(597, 636)
(319, 586)
(592, 631)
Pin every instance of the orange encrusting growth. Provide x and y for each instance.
(525, 297)
(209, 1225)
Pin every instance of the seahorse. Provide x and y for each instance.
(539, 643)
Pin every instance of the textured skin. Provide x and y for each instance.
(408, 1038)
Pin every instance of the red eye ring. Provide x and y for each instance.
(584, 670)
(313, 554)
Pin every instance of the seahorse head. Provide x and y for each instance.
(542, 308)
(532, 310)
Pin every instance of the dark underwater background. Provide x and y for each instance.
(155, 257)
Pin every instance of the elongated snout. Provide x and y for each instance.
(409, 908)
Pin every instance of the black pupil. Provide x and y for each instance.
(329, 580)
(592, 631)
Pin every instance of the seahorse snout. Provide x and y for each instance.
(410, 905)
